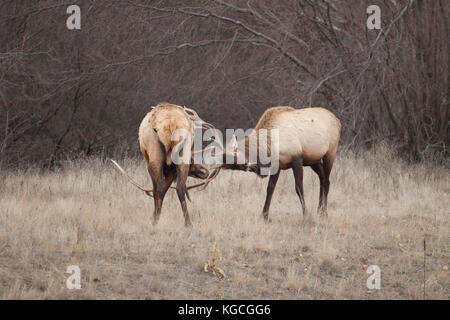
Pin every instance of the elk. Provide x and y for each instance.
(157, 142)
(307, 137)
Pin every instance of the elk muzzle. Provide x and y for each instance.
(198, 171)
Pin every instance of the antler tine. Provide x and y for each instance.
(195, 117)
(195, 185)
(193, 113)
(147, 191)
(207, 125)
(215, 140)
(211, 177)
(207, 181)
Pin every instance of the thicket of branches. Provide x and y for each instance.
(68, 94)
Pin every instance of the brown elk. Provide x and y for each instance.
(307, 137)
(157, 142)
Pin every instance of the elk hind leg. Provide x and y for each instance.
(182, 174)
(162, 179)
(169, 176)
(157, 180)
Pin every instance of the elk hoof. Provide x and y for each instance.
(188, 224)
(266, 218)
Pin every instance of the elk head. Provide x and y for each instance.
(252, 154)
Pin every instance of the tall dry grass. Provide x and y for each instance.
(87, 214)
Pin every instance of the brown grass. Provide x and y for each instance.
(87, 214)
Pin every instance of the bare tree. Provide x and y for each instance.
(68, 94)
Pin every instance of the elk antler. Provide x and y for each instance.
(204, 183)
(149, 191)
(195, 117)
(192, 114)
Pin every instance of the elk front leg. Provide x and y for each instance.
(297, 167)
(318, 168)
(270, 188)
(327, 166)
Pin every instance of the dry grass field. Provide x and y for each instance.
(87, 214)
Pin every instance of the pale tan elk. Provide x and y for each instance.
(156, 144)
(307, 137)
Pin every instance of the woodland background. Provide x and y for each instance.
(70, 94)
